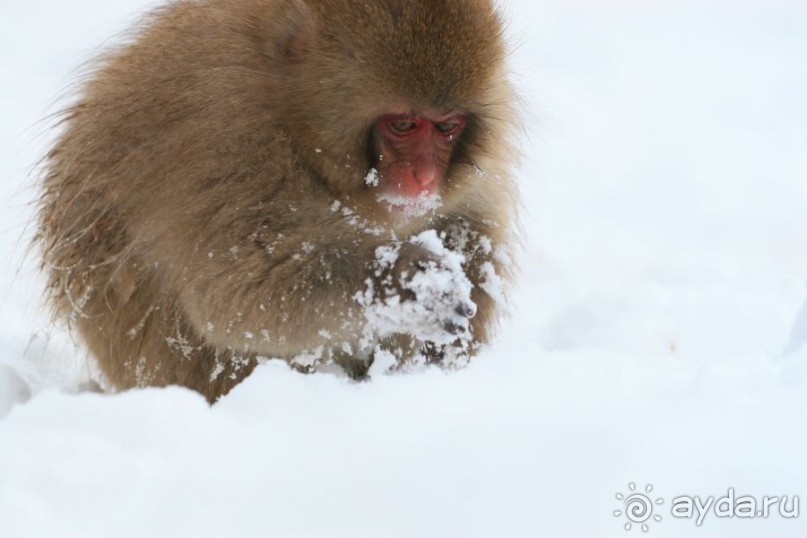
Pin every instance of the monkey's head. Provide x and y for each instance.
(393, 103)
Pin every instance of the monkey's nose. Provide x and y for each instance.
(426, 175)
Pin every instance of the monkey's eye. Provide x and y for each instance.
(450, 127)
(402, 127)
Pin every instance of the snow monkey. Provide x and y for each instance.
(325, 182)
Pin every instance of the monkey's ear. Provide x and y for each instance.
(291, 32)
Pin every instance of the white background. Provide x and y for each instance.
(655, 335)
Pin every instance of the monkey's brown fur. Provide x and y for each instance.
(205, 203)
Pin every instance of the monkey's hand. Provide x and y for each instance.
(419, 289)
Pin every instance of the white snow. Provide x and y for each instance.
(420, 206)
(657, 334)
(440, 288)
(371, 180)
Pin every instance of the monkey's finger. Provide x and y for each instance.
(466, 310)
(455, 329)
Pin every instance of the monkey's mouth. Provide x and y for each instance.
(408, 206)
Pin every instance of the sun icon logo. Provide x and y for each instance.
(638, 507)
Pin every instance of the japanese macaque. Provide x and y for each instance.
(319, 181)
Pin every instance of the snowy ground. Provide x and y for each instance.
(655, 338)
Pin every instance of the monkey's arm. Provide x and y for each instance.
(285, 293)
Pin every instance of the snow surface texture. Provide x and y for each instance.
(658, 332)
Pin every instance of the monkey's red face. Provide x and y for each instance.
(413, 154)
